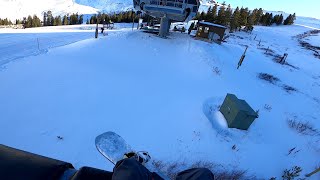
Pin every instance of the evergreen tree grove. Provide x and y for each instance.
(221, 18)
(242, 17)
(235, 20)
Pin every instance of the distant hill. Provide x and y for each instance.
(107, 5)
(17, 9)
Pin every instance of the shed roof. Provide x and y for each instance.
(241, 105)
(211, 24)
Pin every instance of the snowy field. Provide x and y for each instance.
(162, 96)
(19, 43)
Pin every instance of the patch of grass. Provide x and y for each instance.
(269, 78)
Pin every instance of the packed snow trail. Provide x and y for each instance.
(162, 96)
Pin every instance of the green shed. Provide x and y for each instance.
(237, 112)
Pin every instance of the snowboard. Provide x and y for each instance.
(113, 147)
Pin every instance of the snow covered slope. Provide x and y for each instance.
(17, 9)
(162, 95)
(107, 5)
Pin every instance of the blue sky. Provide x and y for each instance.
(309, 8)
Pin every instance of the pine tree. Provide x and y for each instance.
(290, 19)
(208, 14)
(251, 20)
(259, 14)
(65, 20)
(74, 19)
(244, 16)
(18, 21)
(80, 19)
(36, 22)
(45, 19)
(221, 18)
(202, 16)
(264, 19)
(213, 13)
(275, 19)
(28, 23)
(280, 20)
(49, 18)
(235, 18)
(59, 21)
(269, 19)
(228, 14)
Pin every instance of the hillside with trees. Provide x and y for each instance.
(242, 17)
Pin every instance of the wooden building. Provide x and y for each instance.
(210, 31)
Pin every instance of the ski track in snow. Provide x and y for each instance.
(162, 96)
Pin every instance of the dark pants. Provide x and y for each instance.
(128, 169)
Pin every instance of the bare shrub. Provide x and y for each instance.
(304, 128)
(267, 107)
(268, 77)
(216, 70)
(289, 89)
(290, 174)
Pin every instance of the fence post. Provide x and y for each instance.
(313, 172)
(242, 58)
(96, 33)
(38, 44)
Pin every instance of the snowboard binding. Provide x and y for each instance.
(141, 156)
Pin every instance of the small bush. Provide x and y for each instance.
(291, 173)
(216, 70)
(304, 128)
(267, 107)
(289, 89)
(269, 78)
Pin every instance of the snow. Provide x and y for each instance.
(17, 9)
(211, 24)
(108, 6)
(18, 43)
(162, 96)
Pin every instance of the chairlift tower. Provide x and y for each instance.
(168, 10)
